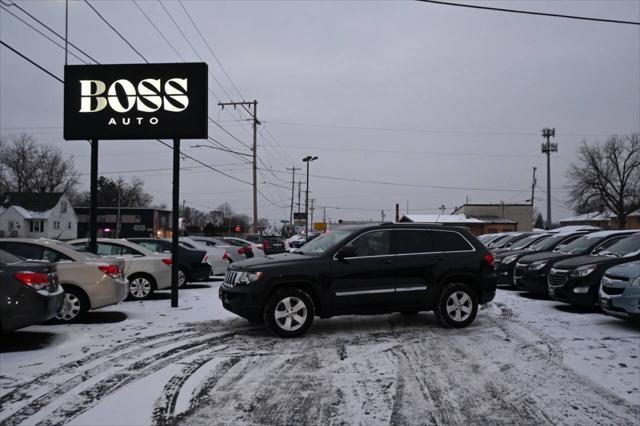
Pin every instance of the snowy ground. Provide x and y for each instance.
(523, 361)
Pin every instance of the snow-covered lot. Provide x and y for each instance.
(523, 361)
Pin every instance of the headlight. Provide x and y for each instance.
(583, 271)
(636, 282)
(509, 259)
(536, 266)
(249, 277)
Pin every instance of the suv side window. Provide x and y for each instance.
(375, 243)
(450, 241)
(412, 241)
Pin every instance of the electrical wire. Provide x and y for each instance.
(31, 61)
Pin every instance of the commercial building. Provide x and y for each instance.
(126, 222)
(475, 225)
(500, 216)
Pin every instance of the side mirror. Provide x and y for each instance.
(346, 251)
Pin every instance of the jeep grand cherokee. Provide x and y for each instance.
(365, 270)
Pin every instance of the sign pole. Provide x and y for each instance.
(93, 210)
(175, 231)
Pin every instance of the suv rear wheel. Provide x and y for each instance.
(457, 306)
(289, 312)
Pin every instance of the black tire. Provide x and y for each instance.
(183, 283)
(289, 312)
(141, 286)
(457, 306)
(74, 306)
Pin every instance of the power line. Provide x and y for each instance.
(31, 61)
(115, 31)
(158, 30)
(525, 12)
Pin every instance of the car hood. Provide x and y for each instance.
(502, 255)
(589, 259)
(630, 270)
(546, 255)
(269, 261)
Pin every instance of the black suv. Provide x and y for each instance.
(365, 270)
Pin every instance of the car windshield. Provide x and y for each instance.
(501, 242)
(547, 243)
(525, 242)
(626, 248)
(323, 243)
(581, 245)
(80, 249)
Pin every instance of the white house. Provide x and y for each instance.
(35, 215)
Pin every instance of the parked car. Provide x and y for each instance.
(218, 256)
(29, 292)
(146, 271)
(577, 281)
(193, 264)
(234, 252)
(88, 282)
(506, 261)
(531, 271)
(254, 248)
(272, 244)
(297, 241)
(620, 291)
(505, 241)
(365, 270)
(521, 244)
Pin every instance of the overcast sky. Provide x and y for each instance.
(415, 94)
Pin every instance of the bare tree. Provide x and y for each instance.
(112, 193)
(606, 177)
(26, 166)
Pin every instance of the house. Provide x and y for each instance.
(603, 220)
(37, 215)
(500, 214)
(475, 225)
(127, 222)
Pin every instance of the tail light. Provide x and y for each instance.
(226, 257)
(265, 244)
(205, 259)
(36, 280)
(112, 270)
(167, 261)
(244, 250)
(260, 246)
(490, 260)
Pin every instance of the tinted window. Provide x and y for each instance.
(53, 255)
(375, 243)
(527, 241)
(627, 247)
(151, 245)
(6, 257)
(605, 245)
(106, 249)
(449, 241)
(23, 250)
(412, 241)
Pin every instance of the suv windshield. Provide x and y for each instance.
(548, 242)
(526, 241)
(628, 247)
(581, 245)
(323, 243)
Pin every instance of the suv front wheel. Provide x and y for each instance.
(457, 306)
(289, 312)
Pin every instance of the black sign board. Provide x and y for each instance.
(300, 216)
(136, 101)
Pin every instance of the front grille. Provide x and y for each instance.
(519, 270)
(613, 291)
(557, 280)
(231, 278)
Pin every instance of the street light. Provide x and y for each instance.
(307, 160)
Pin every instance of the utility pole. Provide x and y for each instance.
(548, 148)
(324, 215)
(247, 107)
(311, 209)
(299, 191)
(533, 185)
(118, 219)
(293, 185)
(382, 215)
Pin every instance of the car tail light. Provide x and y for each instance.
(167, 261)
(112, 270)
(260, 246)
(37, 280)
(266, 244)
(205, 259)
(226, 257)
(490, 260)
(244, 250)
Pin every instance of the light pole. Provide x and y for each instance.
(548, 148)
(308, 159)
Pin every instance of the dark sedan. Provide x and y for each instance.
(29, 292)
(576, 281)
(506, 261)
(531, 271)
(193, 264)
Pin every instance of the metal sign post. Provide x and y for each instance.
(93, 210)
(175, 234)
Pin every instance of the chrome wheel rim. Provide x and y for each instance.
(140, 288)
(181, 278)
(71, 307)
(459, 306)
(291, 313)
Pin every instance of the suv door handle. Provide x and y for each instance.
(384, 262)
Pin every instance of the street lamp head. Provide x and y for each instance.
(309, 158)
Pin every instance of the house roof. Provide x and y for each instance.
(439, 218)
(33, 202)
